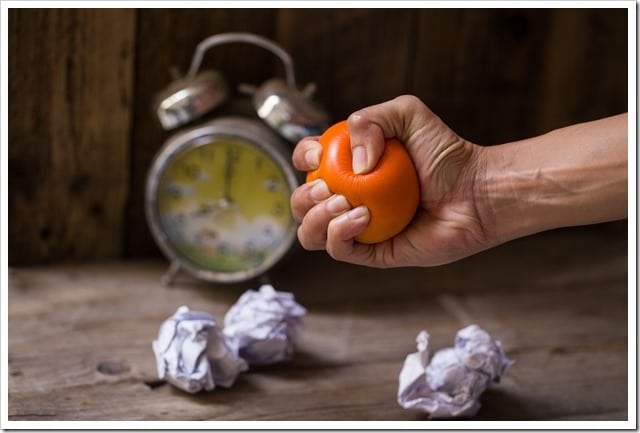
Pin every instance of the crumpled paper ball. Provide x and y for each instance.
(192, 354)
(264, 325)
(451, 384)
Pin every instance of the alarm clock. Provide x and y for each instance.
(217, 193)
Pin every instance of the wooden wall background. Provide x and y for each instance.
(81, 84)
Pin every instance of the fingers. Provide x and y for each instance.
(369, 127)
(312, 232)
(340, 242)
(306, 196)
(343, 229)
(307, 153)
(327, 220)
(316, 207)
(367, 141)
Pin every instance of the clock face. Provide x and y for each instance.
(222, 205)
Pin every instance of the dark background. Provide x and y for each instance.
(81, 85)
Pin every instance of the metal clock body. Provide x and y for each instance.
(219, 199)
(217, 193)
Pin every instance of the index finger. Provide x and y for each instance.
(307, 153)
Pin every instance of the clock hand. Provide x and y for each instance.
(228, 175)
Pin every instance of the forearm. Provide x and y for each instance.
(571, 176)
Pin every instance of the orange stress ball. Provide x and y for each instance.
(391, 191)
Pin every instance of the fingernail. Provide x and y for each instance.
(312, 156)
(359, 161)
(319, 191)
(358, 213)
(358, 218)
(337, 203)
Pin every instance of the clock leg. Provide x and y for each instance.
(169, 276)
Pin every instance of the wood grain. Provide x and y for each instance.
(80, 336)
(70, 90)
(357, 57)
(479, 69)
(498, 75)
(583, 47)
(82, 82)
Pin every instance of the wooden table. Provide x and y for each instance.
(80, 335)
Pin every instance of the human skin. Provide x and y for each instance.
(472, 197)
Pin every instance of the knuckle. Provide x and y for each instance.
(409, 104)
(333, 244)
(359, 119)
(309, 240)
(333, 251)
(304, 239)
(299, 155)
(296, 203)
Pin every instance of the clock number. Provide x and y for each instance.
(259, 163)
(190, 170)
(271, 184)
(278, 209)
(206, 153)
(173, 191)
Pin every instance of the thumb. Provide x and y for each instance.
(368, 128)
(367, 141)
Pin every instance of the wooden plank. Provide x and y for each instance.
(478, 69)
(357, 57)
(498, 75)
(70, 89)
(584, 76)
(557, 301)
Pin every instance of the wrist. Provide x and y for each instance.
(509, 208)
